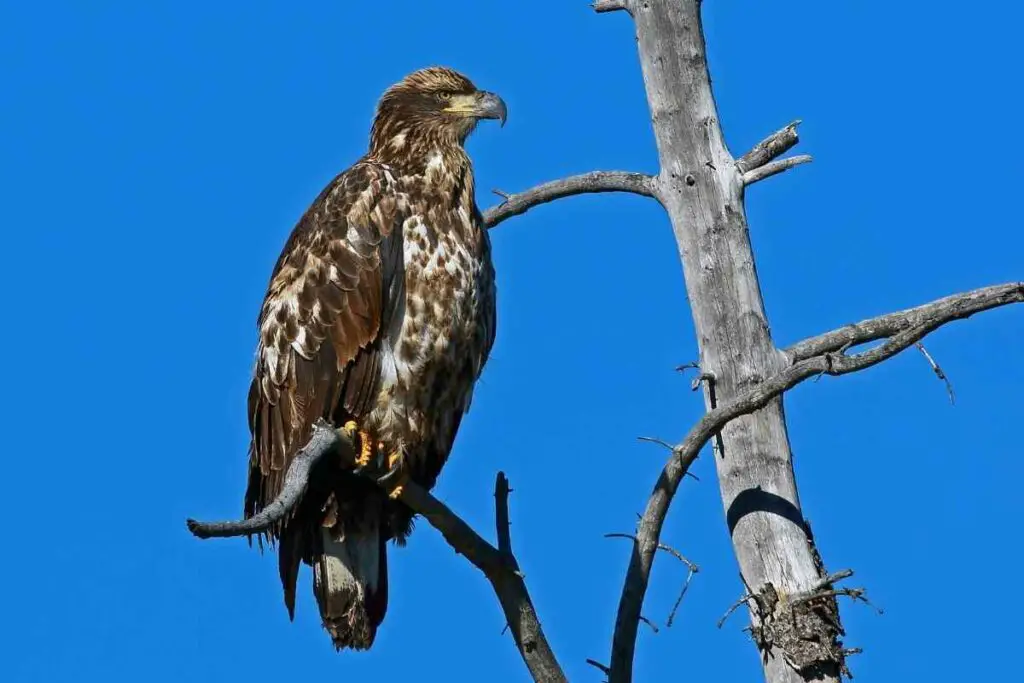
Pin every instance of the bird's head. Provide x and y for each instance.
(436, 106)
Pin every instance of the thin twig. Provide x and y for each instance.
(938, 372)
(832, 579)
(654, 439)
(679, 556)
(650, 623)
(586, 183)
(733, 607)
(666, 444)
(693, 569)
(598, 665)
(661, 546)
(774, 168)
(855, 594)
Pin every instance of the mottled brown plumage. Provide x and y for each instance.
(380, 310)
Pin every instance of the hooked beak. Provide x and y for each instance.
(479, 105)
(490, 106)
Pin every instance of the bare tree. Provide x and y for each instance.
(790, 595)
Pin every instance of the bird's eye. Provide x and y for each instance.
(444, 95)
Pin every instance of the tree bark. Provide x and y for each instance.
(701, 187)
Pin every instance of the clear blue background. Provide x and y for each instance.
(154, 157)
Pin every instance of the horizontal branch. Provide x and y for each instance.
(586, 183)
(772, 147)
(497, 564)
(955, 307)
(774, 168)
(600, 6)
(815, 357)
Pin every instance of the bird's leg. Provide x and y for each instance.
(351, 429)
(394, 479)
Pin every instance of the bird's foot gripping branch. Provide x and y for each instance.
(497, 563)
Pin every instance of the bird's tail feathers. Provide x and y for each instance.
(350, 581)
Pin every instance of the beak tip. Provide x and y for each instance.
(495, 108)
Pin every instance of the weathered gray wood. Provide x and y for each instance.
(900, 330)
(702, 190)
(585, 183)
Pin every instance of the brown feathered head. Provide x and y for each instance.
(431, 107)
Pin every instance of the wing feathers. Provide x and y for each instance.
(320, 323)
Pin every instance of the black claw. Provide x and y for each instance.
(393, 475)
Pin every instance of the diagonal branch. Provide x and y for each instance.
(813, 357)
(500, 568)
(497, 564)
(774, 168)
(772, 147)
(950, 308)
(586, 183)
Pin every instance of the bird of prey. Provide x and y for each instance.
(379, 317)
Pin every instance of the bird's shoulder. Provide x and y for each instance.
(327, 282)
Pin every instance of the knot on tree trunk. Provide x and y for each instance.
(804, 629)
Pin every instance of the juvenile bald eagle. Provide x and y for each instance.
(379, 317)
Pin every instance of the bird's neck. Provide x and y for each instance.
(413, 150)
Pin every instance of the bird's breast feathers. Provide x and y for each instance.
(441, 336)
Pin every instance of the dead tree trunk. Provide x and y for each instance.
(701, 186)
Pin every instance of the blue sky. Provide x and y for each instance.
(154, 157)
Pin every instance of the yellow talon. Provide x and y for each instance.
(365, 449)
(397, 467)
(393, 459)
(351, 428)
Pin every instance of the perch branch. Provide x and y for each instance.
(772, 147)
(774, 168)
(902, 330)
(324, 441)
(497, 564)
(586, 183)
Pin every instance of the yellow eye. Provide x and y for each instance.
(444, 95)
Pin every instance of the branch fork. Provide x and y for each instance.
(823, 354)
(762, 161)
